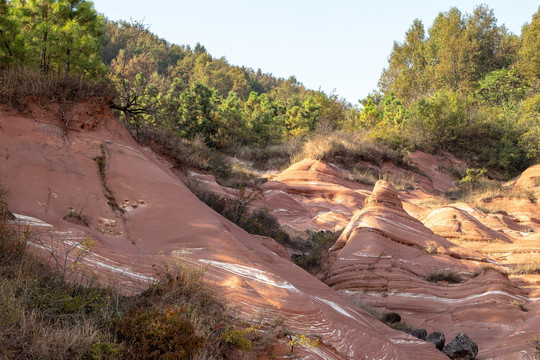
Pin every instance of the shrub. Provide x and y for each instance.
(257, 221)
(44, 317)
(535, 341)
(312, 250)
(444, 275)
(159, 334)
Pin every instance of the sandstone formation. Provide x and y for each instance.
(384, 257)
(313, 195)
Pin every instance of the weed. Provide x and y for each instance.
(520, 305)
(76, 217)
(432, 248)
(303, 341)
(159, 333)
(66, 254)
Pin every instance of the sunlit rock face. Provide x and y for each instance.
(313, 195)
(140, 215)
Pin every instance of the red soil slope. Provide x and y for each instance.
(139, 214)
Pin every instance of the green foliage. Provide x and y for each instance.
(529, 122)
(261, 116)
(529, 51)
(472, 176)
(369, 116)
(473, 182)
(501, 87)
(56, 36)
(443, 119)
(197, 113)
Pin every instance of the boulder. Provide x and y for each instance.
(462, 348)
(419, 333)
(437, 339)
(392, 318)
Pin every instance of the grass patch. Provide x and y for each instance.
(527, 268)
(19, 83)
(444, 275)
(271, 157)
(76, 217)
(369, 176)
(347, 148)
(476, 189)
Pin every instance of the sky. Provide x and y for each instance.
(336, 46)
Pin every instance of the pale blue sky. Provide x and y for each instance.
(339, 44)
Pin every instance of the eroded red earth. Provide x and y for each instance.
(140, 214)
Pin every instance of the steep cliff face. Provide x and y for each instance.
(81, 163)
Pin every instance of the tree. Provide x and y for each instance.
(501, 87)
(406, 73)
(394, 111)
(369, 116)
(60, 35)
(197, 113)
(138, 87)
(487, 41)
(451, 52)
(10, 42)
(529, 53)
(232, 129)
(264, 126)
(302, 116)
(79, 31)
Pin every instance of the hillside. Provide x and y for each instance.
(155, 197)
(139, 214)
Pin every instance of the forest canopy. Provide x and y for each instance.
(464, 84)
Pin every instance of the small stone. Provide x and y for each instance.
(419, 333)
(437, 339)
(462, 348)
(392, 318)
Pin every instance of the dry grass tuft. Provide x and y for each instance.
(18, 83)
(347, 148)
(532, 267)
(444, 275)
